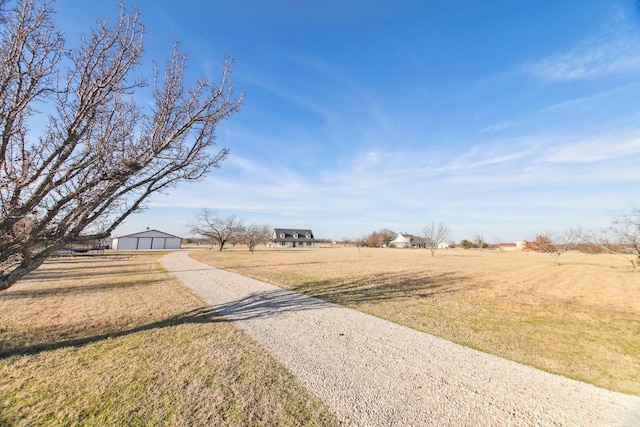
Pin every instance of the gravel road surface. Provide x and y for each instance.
(371, 372)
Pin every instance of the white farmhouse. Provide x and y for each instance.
(293, 238)
(405, 240)
(150, 239)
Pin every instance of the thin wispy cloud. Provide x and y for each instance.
(502, 125)
(596, 57)
(591, 151)
(477, 160)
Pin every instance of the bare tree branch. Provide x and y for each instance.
(101, 155)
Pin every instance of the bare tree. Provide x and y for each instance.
(255, 234)
(217, 229)
(623, 236)
(387, 236)
(435, 235)
(556, 244)
(378, 239)
(479, 241)
(101, 155)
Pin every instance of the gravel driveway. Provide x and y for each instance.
(371, 372)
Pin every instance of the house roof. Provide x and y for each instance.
(409, 237)
(293, 234)
(149, 233)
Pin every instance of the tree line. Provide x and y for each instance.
(621, 237)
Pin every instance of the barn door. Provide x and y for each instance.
(144, 242)
(158, 243)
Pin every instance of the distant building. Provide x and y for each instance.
(405, 240)
(293, 238)
(149, 239)
(510, 247)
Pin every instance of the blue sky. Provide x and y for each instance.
(501, 118)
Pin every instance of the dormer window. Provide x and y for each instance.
(308, 235)
(282, 235)
(295, 235)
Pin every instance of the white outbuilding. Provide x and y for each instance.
(150, 239)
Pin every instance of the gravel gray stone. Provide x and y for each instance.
(372, 372)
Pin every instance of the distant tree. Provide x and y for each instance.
(217, 229)
(196, 240)
(255, 234)
(387, 236)
(623, 236)
(479, 242)
(349, 242)
(101, 154)
(434, 235)
(467, 244)
(370, 240)
(378, 239)
(556, 244)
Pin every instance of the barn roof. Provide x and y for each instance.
(149, 233)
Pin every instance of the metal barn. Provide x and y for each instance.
(146, 240)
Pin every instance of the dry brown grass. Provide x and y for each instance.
(116, 341)
(580, 319)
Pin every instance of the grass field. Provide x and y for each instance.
(116, 341)
(580, 319)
